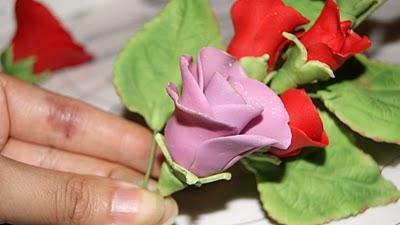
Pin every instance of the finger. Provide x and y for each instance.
(54, 159)
(71, 125)
(4, 120)
(32, 195)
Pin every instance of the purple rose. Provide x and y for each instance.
(222, 115)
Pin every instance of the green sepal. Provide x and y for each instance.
(255, 67)
(297, 70)
(177, 172)
(168, 183)
(322, 185)
(150, 59)
(22, 69)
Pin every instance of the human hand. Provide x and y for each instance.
(50, 148)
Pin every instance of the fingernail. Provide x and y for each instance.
(171, 211)
(136, 206)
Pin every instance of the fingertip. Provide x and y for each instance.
(133, 205)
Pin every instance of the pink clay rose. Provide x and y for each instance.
(222, 115)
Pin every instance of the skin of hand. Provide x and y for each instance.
(63, 162)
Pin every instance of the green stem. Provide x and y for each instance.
(150, 163)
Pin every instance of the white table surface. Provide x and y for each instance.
(103, 26)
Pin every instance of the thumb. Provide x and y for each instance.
(31, 195)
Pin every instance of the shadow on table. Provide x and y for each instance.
(213, 197)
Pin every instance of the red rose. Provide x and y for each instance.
(259, 25)
(305, 123)
(40, 35)
(331, 41)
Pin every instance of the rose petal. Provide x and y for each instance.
(194, 117)
(354, 44)
(220, 92)
(218, 154)
(331, 41)
(259, 25)
(303, 113)
(323, 53)
(185, 132)
(274, 119)
(326, 29)
(213, 60)
(299, 141)
(305, 123)
(192, 95)
(236, 115)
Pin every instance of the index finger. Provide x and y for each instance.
(45, 118)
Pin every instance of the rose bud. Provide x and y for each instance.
(320, 51)
(41, 36)
(259, 25)
(331, 41)
(222, 115)
(305, 123)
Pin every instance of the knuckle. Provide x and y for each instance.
(76, 205)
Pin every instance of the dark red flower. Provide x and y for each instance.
(305, 123)
(40, 35)
(259, 25)
(331, 41)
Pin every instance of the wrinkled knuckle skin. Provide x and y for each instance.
(74, 205)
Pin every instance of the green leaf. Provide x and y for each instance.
(323, 185)
(22, 69)
(255, 67)
(297, 70)
(150, 59)
(308, 8)
(369, 104)
(355, 10)
(175, 177)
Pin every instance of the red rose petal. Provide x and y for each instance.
(331, 41)
(305, 123)
(259, 25)
(40, 35)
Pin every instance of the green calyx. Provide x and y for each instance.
(255, 67)
(297, 70)
(174, 177)
(22, 69)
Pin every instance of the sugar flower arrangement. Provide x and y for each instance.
(290, 98)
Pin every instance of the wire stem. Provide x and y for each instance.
(150, 163)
